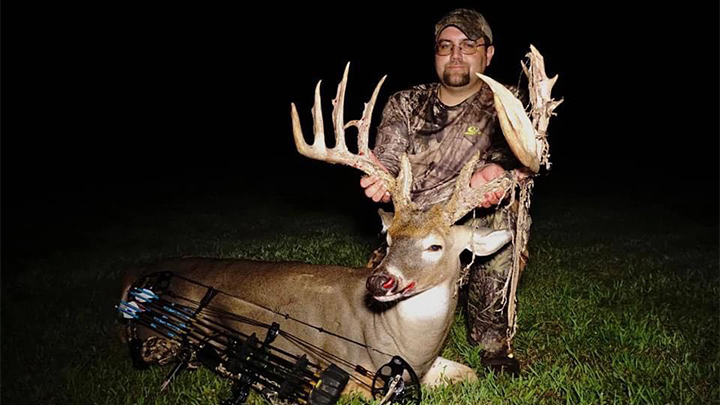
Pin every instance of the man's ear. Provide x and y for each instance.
(489, 53)
(386, 218)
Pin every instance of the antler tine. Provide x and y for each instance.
(318, 124)
(340, 154)
(541, 89)
(543, 105)
(515, 124)
(465, 198)
(363, 124)
(317, 149)
(339, 112)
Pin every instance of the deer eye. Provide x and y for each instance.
(434, 248)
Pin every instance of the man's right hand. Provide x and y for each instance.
(375, 189)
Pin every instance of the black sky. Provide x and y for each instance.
(143, 97)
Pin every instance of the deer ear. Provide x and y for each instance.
(387, 219)
(485, 241)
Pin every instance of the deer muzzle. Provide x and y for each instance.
(385, 287)
(380, 284)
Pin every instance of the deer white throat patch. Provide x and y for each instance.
(428, 305)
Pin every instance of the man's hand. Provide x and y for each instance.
(484, 176)
(489, 173)
(374, 187)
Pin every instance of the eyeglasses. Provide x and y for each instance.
(467, 47)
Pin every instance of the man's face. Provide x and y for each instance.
(458, 69)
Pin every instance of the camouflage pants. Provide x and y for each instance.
(487, 321)
(487, 295)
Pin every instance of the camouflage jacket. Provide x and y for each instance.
(439, 139)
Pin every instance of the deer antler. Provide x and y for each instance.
(400, 188)
(526, 136)
(527, 139)
(465, 198)
(515, 124)
(543, 105)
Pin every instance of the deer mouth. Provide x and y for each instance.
(397, 293)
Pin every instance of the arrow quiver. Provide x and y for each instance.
(198, 339)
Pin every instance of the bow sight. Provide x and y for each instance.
(200, 337)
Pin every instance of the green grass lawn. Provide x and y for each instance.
(619, 304)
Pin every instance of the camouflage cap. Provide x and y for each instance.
(470, 22)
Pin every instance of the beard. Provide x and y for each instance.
(456, 79)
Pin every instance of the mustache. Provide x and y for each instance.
(456, 64)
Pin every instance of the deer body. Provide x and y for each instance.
(325, 296)
(337, 299)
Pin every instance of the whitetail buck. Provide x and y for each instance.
(403, 307)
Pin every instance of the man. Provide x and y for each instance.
(441, 126)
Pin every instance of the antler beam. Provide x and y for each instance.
(340, 153)
(465, 198)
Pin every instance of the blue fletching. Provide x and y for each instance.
(138, 295)
(129, 309)
(149, 292)
(127, 313)
(143, 294)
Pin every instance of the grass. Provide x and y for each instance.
(619, 305)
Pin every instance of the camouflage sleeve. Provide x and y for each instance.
(392, 135)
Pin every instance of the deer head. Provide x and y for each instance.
(424, 243)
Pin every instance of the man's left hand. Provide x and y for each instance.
(488, 174)
(484, 176)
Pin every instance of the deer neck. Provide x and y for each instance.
(420, 324)
(430, 307)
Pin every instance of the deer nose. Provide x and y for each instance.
(380, 283)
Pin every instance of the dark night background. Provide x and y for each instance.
(135, 104)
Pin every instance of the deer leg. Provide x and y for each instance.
(444, 371)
